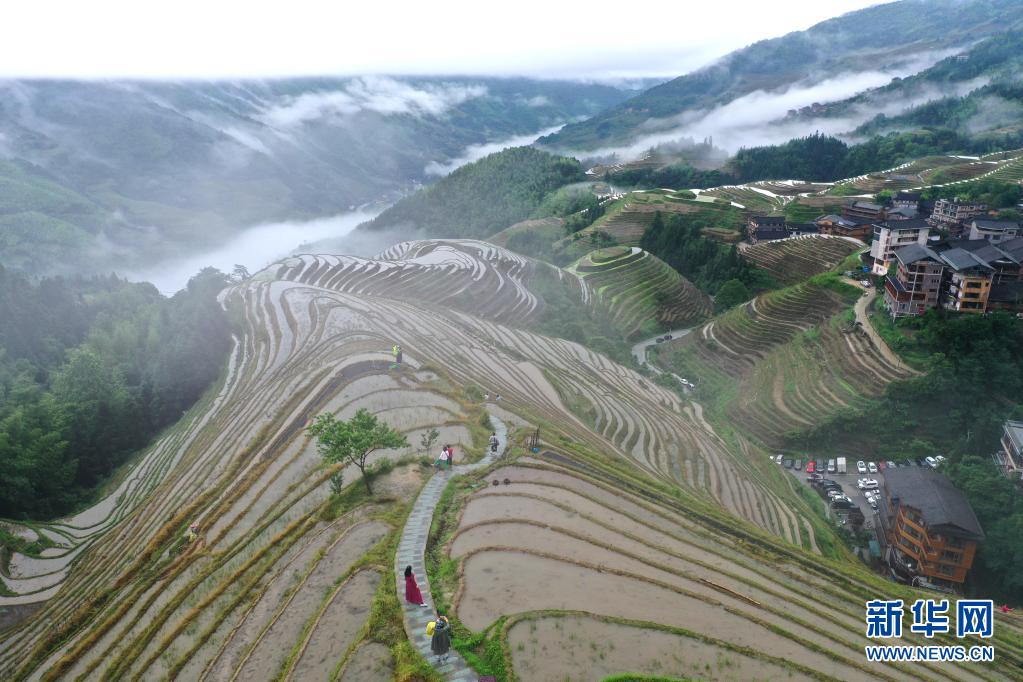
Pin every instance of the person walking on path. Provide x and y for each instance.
(493, 442)
(412, 593)
(440, 644)
(443, 459)
(451, 456)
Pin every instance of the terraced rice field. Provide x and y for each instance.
(637, 288)
(790, 357)
(122, 599)
(598, 575)
(796, 259)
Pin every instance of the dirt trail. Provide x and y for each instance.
(879, 344)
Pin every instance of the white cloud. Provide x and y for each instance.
(372, 93)
(758, 117)
(538, 101)
(478, 151)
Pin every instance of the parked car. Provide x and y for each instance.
(811, 466)
(842, 504)
(940, 458)
(861, 467)
(865, 283)
(777, 459)
(822, 465)
(798, 465)
(891, 465)
(931, 462)
(831, 466)
(787, 463)
(872, 467)
(866, 484)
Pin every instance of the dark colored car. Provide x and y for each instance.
(842, 504)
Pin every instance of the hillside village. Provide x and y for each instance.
(950, 254)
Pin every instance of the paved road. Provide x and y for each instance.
(411, 551)
(639, 349)
(879, 344)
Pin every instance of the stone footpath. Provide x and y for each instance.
(411, 551)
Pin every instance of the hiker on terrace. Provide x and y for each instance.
(412, 593)
(441, 641)
(493, 442)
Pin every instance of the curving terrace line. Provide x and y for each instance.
(412, 549)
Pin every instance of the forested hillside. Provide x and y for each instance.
(483, 197)
(90, 370)
(858, 41)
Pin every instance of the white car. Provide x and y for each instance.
(940, 459)
(865, 283)
(866, 484)
(861, 467)
(931, 462)
(872, 467)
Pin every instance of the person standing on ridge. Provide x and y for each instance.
(451, 456)
(397, 354)
(493, 442)
(412, 593)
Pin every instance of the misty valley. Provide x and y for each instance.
(398, 368)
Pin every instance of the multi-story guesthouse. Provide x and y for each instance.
(927, 526)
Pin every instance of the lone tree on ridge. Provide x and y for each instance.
(354, 439)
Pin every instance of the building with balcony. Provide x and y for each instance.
(1010, 457)
(916, 285)
(994, 231)
(952, 215)
(889, 236)
(968, 281)
(906, 200)
(929, 527)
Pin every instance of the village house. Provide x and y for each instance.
(907, 200)
(1010, 457)
(838, 226)
(864, 210)
(927, 526)
(994, 231)
(968, 276)
(887, 237)
(763, 228)
(916, 285)
(953, 215)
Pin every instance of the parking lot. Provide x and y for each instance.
(848, 483)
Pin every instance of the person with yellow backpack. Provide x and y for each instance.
(439, 632)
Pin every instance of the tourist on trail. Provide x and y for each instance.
(493, 442)
(451, 456)
(443, 459)
(441, 641)
(412, 593)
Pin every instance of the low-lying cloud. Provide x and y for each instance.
(377, 94)
(759, 118)
(478, 151)
(255, 248)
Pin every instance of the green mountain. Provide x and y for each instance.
(125, 173)
(865, 40)
(483, 197)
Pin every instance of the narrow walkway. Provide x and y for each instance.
(411, 551)
(879, 343)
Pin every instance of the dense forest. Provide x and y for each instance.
(90, 371)
(973, 383)
(677, 239)
(482, 197)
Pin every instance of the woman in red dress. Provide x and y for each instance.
(412, 593)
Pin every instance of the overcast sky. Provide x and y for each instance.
(234, 38)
